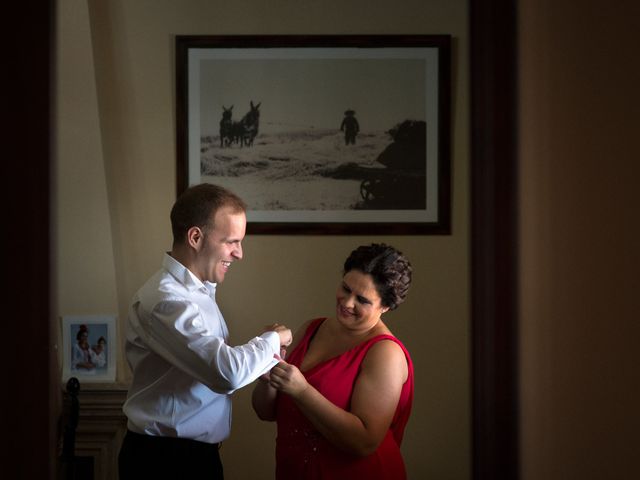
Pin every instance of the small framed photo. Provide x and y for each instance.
(320, 134)
(89, 348)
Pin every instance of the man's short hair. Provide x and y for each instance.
(197, 204)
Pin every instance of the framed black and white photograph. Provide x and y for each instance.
(89, 348)
(319, 134)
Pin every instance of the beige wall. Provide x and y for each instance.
(116, 184)
(580, 238)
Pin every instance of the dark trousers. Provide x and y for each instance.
(145, 456)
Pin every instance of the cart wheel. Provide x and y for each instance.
(366, 189)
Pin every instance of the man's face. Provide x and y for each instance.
(221, 245)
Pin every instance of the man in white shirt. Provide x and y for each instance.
(179, 406)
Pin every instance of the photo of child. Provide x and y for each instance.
(88, 352)
(88, 348)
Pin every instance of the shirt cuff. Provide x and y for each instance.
(273, 339)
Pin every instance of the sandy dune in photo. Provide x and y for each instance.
(293, 170)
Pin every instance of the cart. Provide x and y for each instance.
(387, 188)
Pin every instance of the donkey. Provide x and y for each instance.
(245, 131)
(226, 127)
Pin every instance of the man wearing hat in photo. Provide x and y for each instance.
(350, 127)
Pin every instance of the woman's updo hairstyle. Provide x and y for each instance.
(82, 331)
(390, 270)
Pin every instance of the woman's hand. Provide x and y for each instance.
(266, 377)
(288, 378)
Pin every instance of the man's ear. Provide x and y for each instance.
(195, 238)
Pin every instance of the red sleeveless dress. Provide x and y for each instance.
(303, 454)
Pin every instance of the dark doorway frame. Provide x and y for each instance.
(30, 386)
(494, 227)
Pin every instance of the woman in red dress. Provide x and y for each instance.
(343, 396)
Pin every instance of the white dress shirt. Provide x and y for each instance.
(183, 369)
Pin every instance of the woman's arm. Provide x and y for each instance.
(263, 397)
(374, 400)
(263, 400)
(80, 360)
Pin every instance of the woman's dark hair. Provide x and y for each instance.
(390, 270)
(82, 331)
(195, 206)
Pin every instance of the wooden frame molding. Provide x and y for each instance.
(101, 428)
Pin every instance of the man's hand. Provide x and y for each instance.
(286, 337)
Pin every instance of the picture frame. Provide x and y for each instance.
(319, 134)
(89, 348)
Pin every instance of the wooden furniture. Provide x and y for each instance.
(101, 426)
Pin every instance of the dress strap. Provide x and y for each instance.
(378, 338)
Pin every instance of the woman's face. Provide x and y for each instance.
(84, 343)
(358, 306)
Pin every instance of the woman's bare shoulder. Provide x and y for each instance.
(386, 354)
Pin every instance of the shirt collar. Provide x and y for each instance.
(183, 275)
